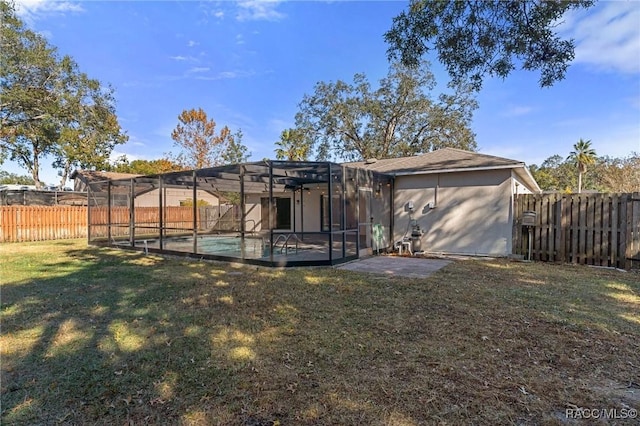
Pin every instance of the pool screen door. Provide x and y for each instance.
(364, 220)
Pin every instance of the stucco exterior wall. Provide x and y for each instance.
(472, 213)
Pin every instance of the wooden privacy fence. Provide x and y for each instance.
(176, 220)
(590, 229)
(38, 223)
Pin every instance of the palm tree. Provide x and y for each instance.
(293, 146)
(582, 156)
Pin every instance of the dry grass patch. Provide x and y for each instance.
(99, 336)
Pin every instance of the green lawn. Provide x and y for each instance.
(101, 336)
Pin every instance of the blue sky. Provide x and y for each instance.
(249, 63)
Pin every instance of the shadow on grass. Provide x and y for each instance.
(109, 342)
(115, 337)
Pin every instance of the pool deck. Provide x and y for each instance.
(413, 267)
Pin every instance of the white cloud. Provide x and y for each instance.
(607, 36)
(218, 14)
(181, 58)
(259, 10)
(223, 75)
(198, 70)
(517, 111)
(192, 43)
(31, 10)
(240, 39)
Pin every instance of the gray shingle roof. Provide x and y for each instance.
(441, 160)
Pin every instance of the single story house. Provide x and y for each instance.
(461, 201)
(307, 213)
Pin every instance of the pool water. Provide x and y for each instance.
(225, 246)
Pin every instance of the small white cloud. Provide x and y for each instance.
(32, 10)
(218, 14)
(259, 10)
(240, 39)
(198, 70)
(226, 75)
(192, 43)
(181, 58)
(517, 111)
(607, 36)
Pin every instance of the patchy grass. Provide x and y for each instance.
(101, 336)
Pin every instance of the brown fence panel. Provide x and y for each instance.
(589, 229)
(39, 223)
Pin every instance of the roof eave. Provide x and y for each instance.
(528, 178)
(459, 169)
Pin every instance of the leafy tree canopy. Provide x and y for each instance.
(201, 146)
(13, 178)
(618, 174)
(582, 156)
(293, 146)
(48, 107)
(606, 174)
(473, 38)
(144, 167)
(399, 118)
(235, 152)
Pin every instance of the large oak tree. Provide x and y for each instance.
(48, 108)
(354, 121)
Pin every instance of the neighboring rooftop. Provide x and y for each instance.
(442, 160)
(96, 176)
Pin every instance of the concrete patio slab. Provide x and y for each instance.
(414, 267)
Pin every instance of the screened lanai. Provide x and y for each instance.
(275, 213)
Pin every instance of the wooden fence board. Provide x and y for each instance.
(597, 237)
(614, 230)
(544, 228)
(37, 223)
(589, 230)
(558, 228)
(593, 229)
(634, 253)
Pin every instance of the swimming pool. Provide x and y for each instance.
(307, 250)
(232, 246)
(219, 245)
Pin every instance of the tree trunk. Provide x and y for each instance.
(35, 172)
(579, 182)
